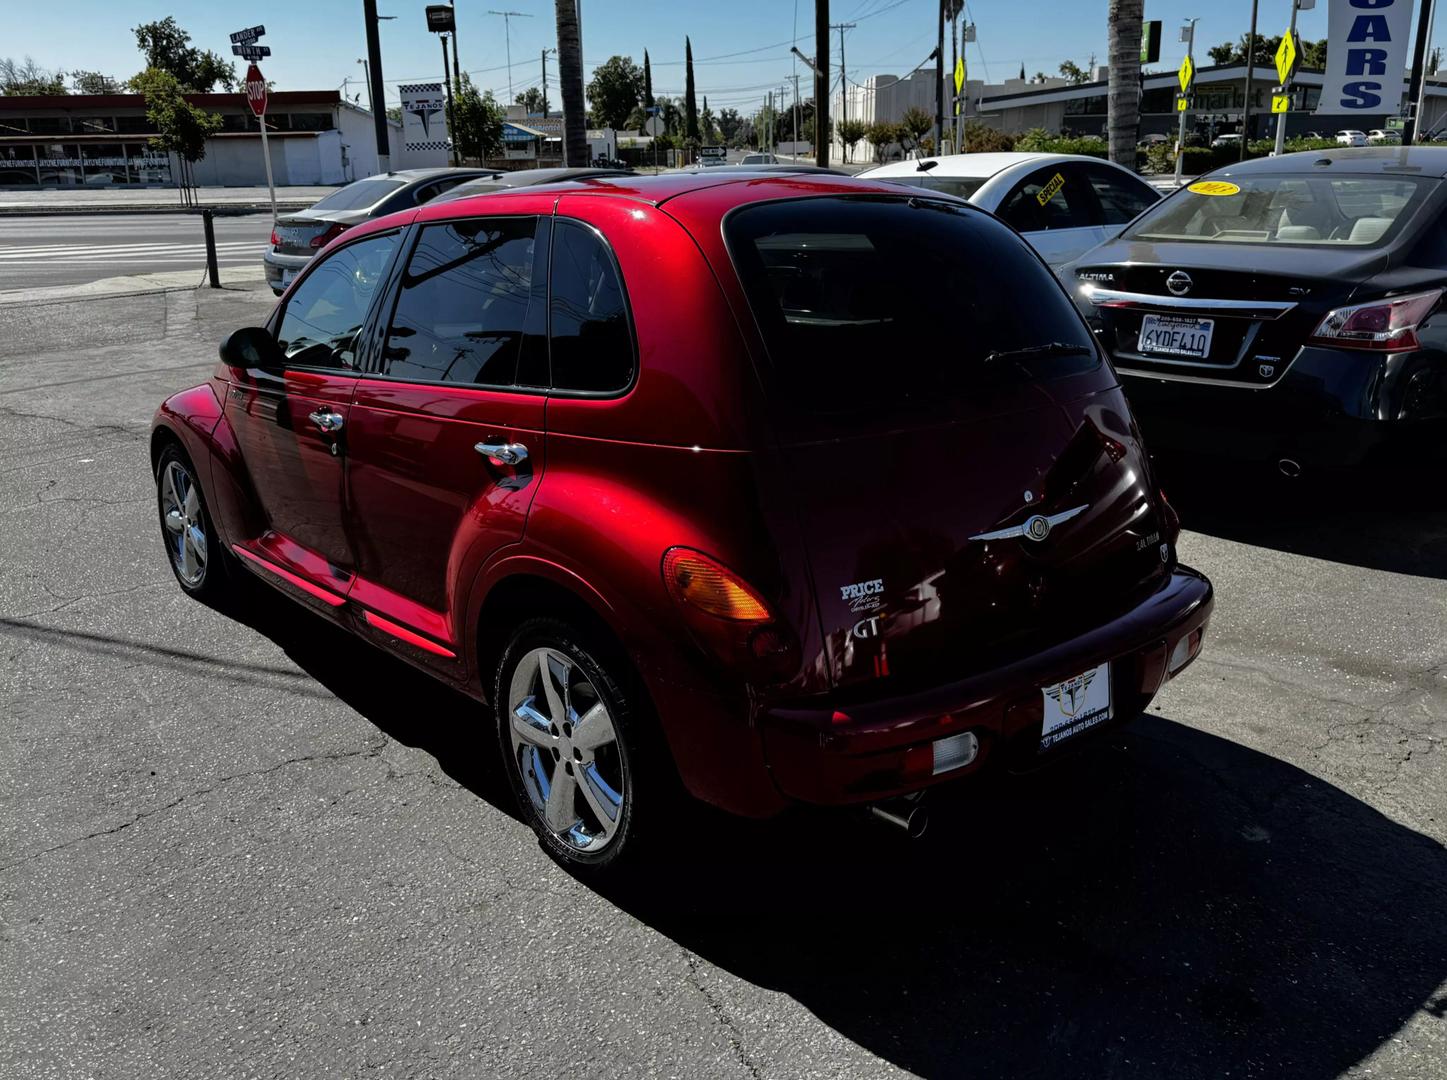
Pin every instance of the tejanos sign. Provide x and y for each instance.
(1366, 56)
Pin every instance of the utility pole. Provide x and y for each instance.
(1416, 87)
(1250, 71)
(456, 67)
(1421, 111)
(795, 79)
(843, 72)
(1189, 34)
(1286, 88)
(821, 83)
(507, 17)
(545, 79)
(378, 94)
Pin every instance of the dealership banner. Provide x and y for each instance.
(1366, 56)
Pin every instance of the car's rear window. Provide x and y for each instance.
(359, 195)
(961, 186)
(870, 304)
(1352, 211)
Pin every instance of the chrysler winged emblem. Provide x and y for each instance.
(1070, 694)
(1035, 528)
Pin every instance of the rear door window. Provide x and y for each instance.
(1121, 197)
(591, 341)
(464, 303)
(1054, 197)
(872, 305)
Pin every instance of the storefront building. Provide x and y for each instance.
(83, 140)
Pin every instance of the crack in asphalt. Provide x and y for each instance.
(365, 752)
(731, 1031)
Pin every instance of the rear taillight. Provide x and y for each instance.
(275, 240)
(727, 615)
(1388, 325)
(333, 231)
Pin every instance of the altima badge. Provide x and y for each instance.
(1036, 528)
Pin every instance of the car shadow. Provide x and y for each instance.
(1390, 522)
(1165, 903)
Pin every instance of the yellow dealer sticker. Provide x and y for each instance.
(1214, 187)
(1048, 192)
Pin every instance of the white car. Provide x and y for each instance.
(759, 159)
(1384, 135)
(1351, 138)
(1063, 204)
(1226, 140)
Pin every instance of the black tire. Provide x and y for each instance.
(641, 772)
(215, 580)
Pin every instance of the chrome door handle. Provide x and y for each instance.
(328, 421)
(508, 453)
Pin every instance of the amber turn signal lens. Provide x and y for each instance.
(697, 581)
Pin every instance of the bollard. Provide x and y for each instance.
(211, 271)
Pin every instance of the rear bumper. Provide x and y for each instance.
(1333, 408)
(277, 264)
(861, 753)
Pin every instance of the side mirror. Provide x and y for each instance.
(252, 347)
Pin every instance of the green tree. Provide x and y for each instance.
(531, 99)
(26, 77)
(851, 133)
(729, 124)
(1313, 53)
(707, 130)
(168, 48)
(615, 91)
(93, 82)
(982, 139)
(570, 76)
(690, 102)
(1074, 73)
(479, 121)
(647, 81)
(183, 128)
(672, 115)
(914, 124)
(882, 135)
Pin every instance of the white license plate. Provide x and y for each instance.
(1074, 705)
(286, 277)
(1172, 335)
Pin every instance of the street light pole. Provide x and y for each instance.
(1189, 33)
(367, 82)
(1250, 71)
(1419, 67)
(1286, 89)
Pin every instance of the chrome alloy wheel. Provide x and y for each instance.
(566, 749)
(185, 525)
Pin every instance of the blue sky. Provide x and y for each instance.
(741, 47)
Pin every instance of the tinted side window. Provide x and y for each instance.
(1121, 197)
(462, 304)
(1051, 198)
(328, 307)
(592, 346)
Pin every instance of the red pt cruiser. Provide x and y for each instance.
(794, 489)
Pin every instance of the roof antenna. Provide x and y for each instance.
(925, 166)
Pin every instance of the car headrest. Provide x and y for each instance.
(1298, 232)
(1369, 230)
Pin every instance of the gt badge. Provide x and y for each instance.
(865, 629)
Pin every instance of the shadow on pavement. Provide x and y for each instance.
(1166, 903)
(1387, 521)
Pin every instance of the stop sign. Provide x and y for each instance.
(256, 90)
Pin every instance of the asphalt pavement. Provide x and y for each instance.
(238, 843)
(47, 251)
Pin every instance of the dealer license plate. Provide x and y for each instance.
(1173, 335)
(286, 277)
(1075, 705)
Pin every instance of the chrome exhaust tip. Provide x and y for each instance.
(906, 814)
(1289, 468)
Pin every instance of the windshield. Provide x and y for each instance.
(359, 195)
(1356, 211)
(961, 186)
(869, 304)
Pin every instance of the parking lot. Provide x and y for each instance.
(242, 844)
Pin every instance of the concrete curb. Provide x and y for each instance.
(133, 285)
(221, 210)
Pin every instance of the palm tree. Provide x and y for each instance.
(570, 74)
(1125, 79)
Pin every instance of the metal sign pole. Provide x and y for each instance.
(1286, 89)
(266, 153)
(1189, 82)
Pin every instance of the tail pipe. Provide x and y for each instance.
(907, 814)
